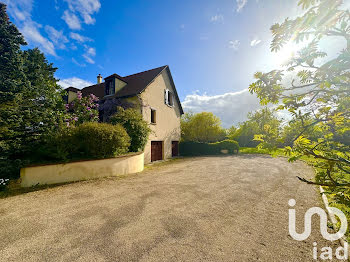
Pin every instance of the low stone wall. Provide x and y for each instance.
(82, 170)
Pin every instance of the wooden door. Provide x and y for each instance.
(175, 148)
(156, 150)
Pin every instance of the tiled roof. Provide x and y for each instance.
(98, 90)
(72, 89)
(136, 83)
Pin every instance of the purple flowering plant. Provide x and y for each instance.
(81, 110)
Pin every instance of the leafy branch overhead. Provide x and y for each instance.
(314, 87)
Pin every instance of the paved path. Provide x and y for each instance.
(200, 209)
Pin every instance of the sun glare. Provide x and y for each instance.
(285, 53)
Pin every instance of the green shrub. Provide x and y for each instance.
(135, 126)
(99, 140)
(55, 147)
(197, 149)
(89, 140)
(230, 145)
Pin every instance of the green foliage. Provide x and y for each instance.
(318, 96)
(136, 127)
(232, 133)
(265, 151)
(81, 110)
(190, 148)
(230, 145)
(261, 127)
(30, 101)
(295, 127)
(99, 140)
(202, 127)
(89, 140)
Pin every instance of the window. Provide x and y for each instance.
(153, 116)
(110, 88)
(168, 98)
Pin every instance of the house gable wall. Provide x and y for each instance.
(167, 127)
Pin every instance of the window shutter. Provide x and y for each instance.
(171, 99)
(166, 101)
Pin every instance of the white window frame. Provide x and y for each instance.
(167, 94)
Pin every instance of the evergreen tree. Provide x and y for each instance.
(12, 79)
(30, 101)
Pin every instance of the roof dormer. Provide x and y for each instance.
(113, 84)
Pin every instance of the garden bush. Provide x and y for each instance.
(136, 127)
(99, 140)
(89, 140)
(190, 148)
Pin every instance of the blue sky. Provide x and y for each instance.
(213, 48)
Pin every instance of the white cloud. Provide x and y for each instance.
(218, 18)
(89, 53)
(77, 63)
(80, 38)
(31, 33)
(234, 44)
(255, 42)
(57, 37)
(21, 12)
(231, 108)
(85, 8)
(88, 59)
(75, 82)
(240, 5)
(71, 20)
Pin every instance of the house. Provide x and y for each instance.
(153, 92)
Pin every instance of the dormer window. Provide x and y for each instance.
(110, 87)
(168, 97)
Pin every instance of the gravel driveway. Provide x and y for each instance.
(232, 208)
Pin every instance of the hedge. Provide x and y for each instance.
(89, 140)
(100, 140)
(190, 148)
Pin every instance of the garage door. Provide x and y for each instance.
(175, 148)
(156, 150)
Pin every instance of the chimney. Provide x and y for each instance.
(99, 79)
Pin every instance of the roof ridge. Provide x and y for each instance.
(115, 75)
(146, 71)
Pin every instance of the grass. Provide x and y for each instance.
(254, 150)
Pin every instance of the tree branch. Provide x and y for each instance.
(322, 184)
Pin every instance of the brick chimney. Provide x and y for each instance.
(99, 79)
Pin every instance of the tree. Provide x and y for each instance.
(11, 79)
(231, 132)
(294, 127)
(30, 101)
(202, 127)
(136, 127)
(261, 126)
(319, 89)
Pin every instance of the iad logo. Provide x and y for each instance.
(326, 251)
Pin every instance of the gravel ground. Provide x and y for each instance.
(232, 208)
